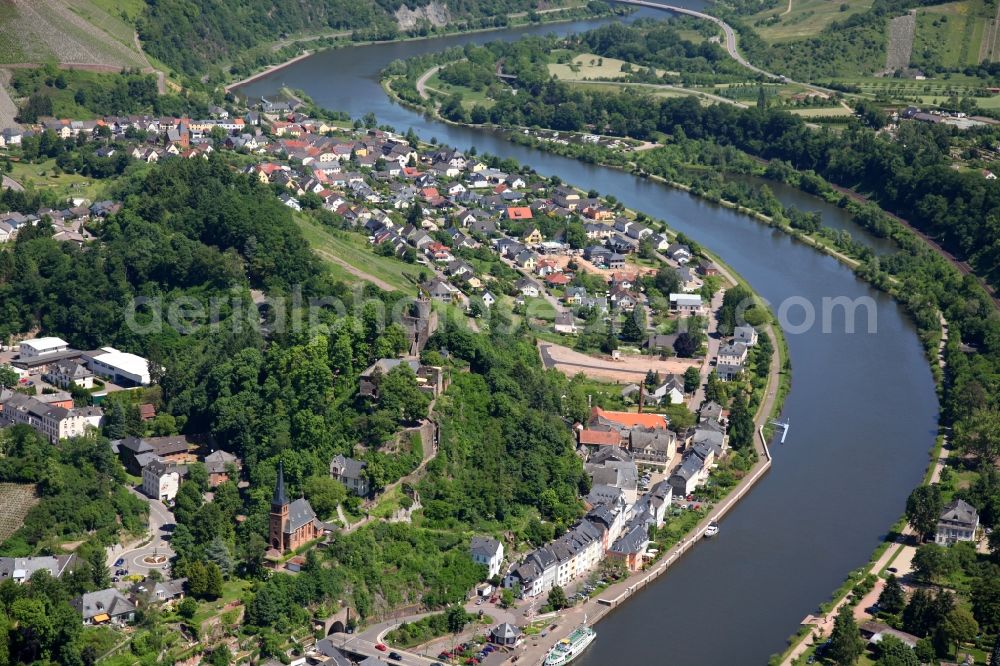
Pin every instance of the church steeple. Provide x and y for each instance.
(279, 498)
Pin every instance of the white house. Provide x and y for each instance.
(487, 551)
(66, 372)
(958, 522)
(746, 334)
(160, 481)
(564, 323)
(687, 303)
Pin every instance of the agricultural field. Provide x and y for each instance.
(951, 35)
(75, 32)
(822, 112)
(929, 92)
(588, 66)
(17, 499)
(803, 18)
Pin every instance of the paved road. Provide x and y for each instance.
(734, 52)
(731, 43)
(161, 526)
(422, 81)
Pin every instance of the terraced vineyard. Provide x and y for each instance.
(74, 32)
(16, 500)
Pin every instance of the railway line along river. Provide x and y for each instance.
(862, 403)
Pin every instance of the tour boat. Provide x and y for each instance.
(570, 647)
(712, 529)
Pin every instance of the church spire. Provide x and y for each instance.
(279, 498)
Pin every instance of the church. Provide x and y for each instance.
(292, 524)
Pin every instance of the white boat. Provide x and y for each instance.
(712, 529)
(570, 647)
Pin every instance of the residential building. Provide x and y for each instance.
(655, 446)
(439, 290)
(690, 474)
(351, 473)
(679, 253)
(136, 453)
(745, 334)
(626, 420)
(733, 354)
(66, 372)
(615, 467)
(161, 480)
(560, 562)
(631, 546)
(528, 288)
(218, 465)
(21, 569)
(565, 323)
(52, 421)
(958, 522)
(687, 304)
(670, 392)
(489, 552)
(104, 607)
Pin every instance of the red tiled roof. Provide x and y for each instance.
(600, 437)
(519, 213)
(631, 419)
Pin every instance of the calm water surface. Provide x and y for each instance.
(862, 408)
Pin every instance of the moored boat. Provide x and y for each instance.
(570, 647)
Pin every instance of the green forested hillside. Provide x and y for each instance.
(191, 35)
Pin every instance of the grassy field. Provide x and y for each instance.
(353, 249)
(43, 176)
(16, 500)
(806, 19)
(951, 35)
(470, 97)
(590, 66)
(829, 112)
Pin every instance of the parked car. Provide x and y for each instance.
(120, 561)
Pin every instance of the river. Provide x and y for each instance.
(863, 409)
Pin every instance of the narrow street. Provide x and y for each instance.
(154, 552)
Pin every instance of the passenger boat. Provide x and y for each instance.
(570, 647)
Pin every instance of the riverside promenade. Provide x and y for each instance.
(533, 648)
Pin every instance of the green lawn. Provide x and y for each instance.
(539, 308)
(354, 249)
(232, 590)
(807, 18)
(41, 177)
(590, 66)
(470, 97)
